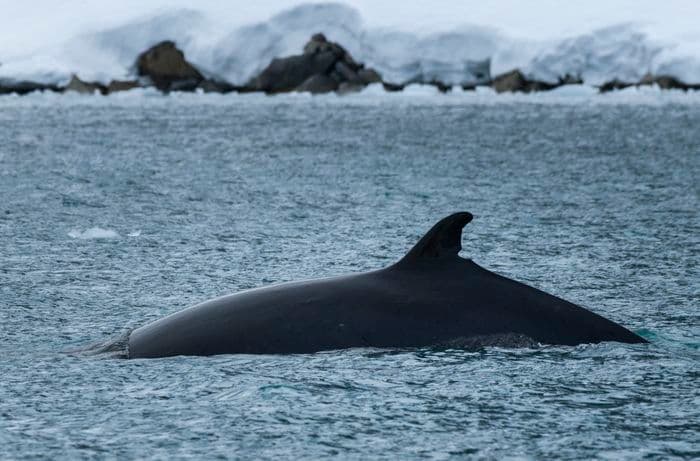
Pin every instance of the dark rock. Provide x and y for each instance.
(24, 86)
(285, 74)
(216, 86)
(79, 86)
(569, 79)
(247, 88)
(350, 87)
(189, 84)
(468, 87)
(368, 76)
(324, 66)
(335, 75)
(393, 87)
(667, 82)
(510, 81)
(614, 85)
(350, 61)
(537, 85)
(316, 44)
(421, 80)
(319, 44)
(165, 65)
(121, 85)
(440, 85)
(318, 37)
(515, 82)
(319, 83)
(648, 79)
(346, 73)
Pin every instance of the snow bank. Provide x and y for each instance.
(236, 52)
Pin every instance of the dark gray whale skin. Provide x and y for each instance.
(429, 298)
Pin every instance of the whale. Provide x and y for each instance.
(431, 297)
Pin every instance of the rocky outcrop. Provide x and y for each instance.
(79, 86)
(286, 74)
(664, 82)
(516, 82)
(614, 84)
(25, 86)
(166, 67)
(318, 83)
(569, 79)
(216, 86)
(369, 76)
(441, 86)
(510, 82)
(323, 67)
(122, 85)
(667, 82)
(393, 87)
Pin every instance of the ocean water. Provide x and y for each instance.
(116, 211)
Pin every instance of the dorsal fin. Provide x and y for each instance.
(444, 240)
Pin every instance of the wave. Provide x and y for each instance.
(94, 233)
(236, 53)
(116, 347)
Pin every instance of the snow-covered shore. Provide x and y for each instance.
(616, 51)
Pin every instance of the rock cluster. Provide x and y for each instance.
(516, 82)
(23, 87)
(323, 66)
(665, 82)
(80, 86)
(121, 85)
(166, 67)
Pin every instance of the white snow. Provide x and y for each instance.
(598, 40)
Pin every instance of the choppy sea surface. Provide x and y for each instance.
(116, 211)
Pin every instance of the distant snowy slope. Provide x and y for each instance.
(115, 49)
(247, 50)
(108, 53)
(236, 52)
(620, 51)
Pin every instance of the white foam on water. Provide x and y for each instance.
(93, 233)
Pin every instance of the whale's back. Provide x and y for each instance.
(430, 297)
